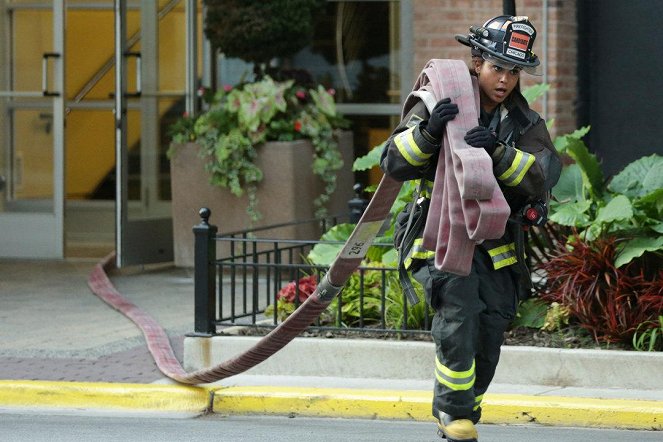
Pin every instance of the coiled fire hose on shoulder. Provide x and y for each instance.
(331, 284)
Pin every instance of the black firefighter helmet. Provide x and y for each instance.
(504, 40)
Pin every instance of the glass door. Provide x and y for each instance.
(31, 129)
(153, 84)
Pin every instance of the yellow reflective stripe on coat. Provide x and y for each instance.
(409, 149)
(417, 252)
(456, 380)
(503, 256)
(519, 167)
(477, 402)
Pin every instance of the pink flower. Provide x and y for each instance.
(307, 286)
(298, 126)
(227, 87)
(331, 91)
(300, 94)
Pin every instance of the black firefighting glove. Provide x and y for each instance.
(443, 112)
(480, 136)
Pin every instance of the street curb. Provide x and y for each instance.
(104, 396)
(326, 402)
(416, 405)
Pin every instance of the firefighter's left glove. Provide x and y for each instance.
(443, 112)
(480, 136)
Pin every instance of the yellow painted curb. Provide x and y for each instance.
(337, 402)
(105, 396)
(416, 405)
(573, 411)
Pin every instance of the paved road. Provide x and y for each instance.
(79, 427)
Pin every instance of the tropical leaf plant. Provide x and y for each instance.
(630, 212)
(360, 301)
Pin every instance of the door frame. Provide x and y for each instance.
(143, 234)
(29, 233)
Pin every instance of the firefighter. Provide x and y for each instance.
(473, 312)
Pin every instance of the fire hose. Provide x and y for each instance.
(355, 249)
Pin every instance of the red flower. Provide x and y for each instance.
(185, 115)
(307, 286)
(300, 94)
(227, 87)
(298, 126)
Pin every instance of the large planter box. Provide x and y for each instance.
(285, 194)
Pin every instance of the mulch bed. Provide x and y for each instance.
(570, 337)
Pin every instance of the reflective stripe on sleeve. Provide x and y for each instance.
(503, 256)
(409, 149)
(519, 167)
(417, 252)
(456, 380)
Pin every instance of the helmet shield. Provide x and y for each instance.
(509, 65)
(505, 38)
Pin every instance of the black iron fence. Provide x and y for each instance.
(258, 280)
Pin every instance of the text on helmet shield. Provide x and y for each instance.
(515, 53)
(522, 27)
(519, 41)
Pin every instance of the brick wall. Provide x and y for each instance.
(437, 21)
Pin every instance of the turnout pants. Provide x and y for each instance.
(472, 314)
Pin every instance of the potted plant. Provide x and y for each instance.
(259, 140)
(239, 120)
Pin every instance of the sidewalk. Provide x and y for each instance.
(63, 348)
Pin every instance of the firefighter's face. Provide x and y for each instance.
(495, 83)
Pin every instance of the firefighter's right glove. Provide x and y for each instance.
(443, 112)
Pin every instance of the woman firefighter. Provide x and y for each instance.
(472, 312)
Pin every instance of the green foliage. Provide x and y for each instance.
(629, 207)
(324, 253)
(532, 93)
(257, 31)
(239, 120)
(370, 160)
(640, 178)
(418, 316)
(284, 308)
(605, 274)
(182, 131)
(369, 305)
(557, 317)
(356, 304)
(649, 337)
(531, 314)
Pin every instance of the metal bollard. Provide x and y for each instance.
(204, 275)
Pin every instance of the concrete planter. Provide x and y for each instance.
(285, 194)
